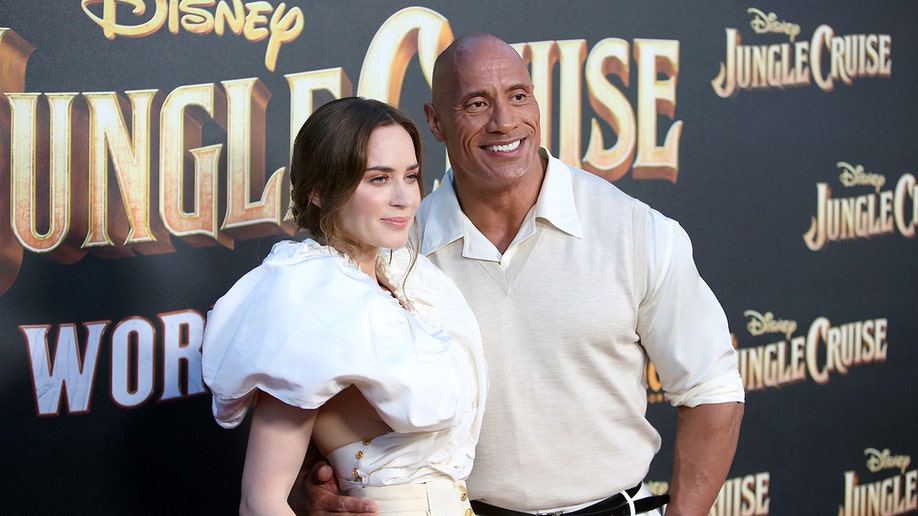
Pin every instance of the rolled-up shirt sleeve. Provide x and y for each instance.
(681, 324)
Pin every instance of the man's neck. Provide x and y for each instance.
(499, 212)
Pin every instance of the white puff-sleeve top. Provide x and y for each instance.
(307, 323)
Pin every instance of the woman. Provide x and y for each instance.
(349, 339)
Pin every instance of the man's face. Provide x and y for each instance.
(484, 110)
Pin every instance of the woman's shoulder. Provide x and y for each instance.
(308, 263)
(435, 297)
(414, 273)
(295, 278)
(301, 253)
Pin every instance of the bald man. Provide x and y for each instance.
(575, 286)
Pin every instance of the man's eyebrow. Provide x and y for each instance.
(527, 86)
(521, 86)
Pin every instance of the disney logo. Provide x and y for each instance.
(248, 19)
(763, 23)
(879, 460)
(760, 324)
(854, 176)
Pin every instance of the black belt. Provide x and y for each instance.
(615, 505)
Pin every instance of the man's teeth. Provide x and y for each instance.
(504, 148)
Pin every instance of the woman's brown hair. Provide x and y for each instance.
(330, 158)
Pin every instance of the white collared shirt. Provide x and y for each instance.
(593, 284)
(447, 223)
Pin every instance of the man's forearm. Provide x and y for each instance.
(706, 438)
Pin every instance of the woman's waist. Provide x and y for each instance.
(436, 497)
(397, 459)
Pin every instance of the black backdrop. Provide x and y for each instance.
(826, 335)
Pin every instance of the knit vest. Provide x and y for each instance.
(564, 422)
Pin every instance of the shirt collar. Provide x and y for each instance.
(556, 203)
(440, 218)
(443, 222)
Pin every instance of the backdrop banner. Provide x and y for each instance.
(144, 148)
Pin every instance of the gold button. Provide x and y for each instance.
(468, 512)
(366, 442)
(464, 495)
(359, 454)
(356, 475)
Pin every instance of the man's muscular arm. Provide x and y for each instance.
(706, 438)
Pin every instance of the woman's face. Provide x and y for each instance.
(381, 210)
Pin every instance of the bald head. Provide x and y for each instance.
(459, 57)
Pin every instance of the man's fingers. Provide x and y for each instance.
(328, 504)
(324, 500)
(322, 473)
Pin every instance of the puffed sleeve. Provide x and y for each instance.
(303, 327)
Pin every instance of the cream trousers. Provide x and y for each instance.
(434, 498)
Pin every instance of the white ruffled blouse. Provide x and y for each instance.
(307, 323)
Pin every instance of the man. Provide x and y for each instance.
(574, 285)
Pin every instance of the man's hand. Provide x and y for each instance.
(321, 496)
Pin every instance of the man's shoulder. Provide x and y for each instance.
(587, 185)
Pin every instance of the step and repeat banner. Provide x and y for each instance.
(144, 147)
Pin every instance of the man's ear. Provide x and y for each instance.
(433, 121)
